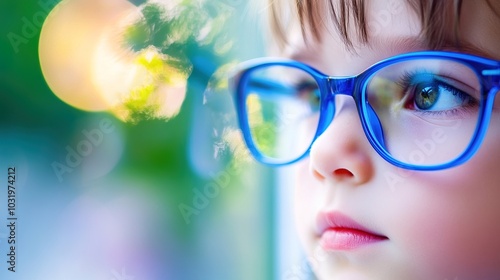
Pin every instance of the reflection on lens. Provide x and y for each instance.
(428, 109)
(282, 107)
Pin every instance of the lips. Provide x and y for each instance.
(339, 232)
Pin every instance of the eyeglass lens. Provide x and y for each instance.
(420, 111)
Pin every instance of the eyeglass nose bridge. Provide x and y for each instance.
(341, 85)
(369, 119)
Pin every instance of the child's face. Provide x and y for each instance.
(433, 225)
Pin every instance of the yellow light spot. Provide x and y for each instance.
(86, 63)
(68, 44)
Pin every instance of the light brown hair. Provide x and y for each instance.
(439, 19)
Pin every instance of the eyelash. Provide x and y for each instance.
(406, 82)
(308, 85)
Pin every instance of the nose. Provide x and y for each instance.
(342, 153)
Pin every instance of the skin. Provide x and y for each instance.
(442, 224)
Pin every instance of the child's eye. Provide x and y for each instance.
(432, 93)
(309, 92)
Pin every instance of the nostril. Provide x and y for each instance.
(342, 172)
(318, 175)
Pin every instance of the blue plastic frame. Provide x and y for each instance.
(487, 71)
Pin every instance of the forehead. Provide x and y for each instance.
(391, 26)
(397, 24)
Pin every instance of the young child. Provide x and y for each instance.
(387, 109)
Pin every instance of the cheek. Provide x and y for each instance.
(450, 220)
(306, 200)
(442, 224)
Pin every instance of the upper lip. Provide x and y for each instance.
(338, 221)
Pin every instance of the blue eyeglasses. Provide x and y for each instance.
(421, 111)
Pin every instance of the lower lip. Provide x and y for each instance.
(343, 239)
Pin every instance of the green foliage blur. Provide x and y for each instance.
(192, 37)
(155, 148)
(196, 38)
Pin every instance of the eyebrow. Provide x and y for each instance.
(416, 43)
(399, 45)
(302, 52)
(467, 47)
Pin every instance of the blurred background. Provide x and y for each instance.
(118, 120)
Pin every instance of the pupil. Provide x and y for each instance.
(426, 97)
